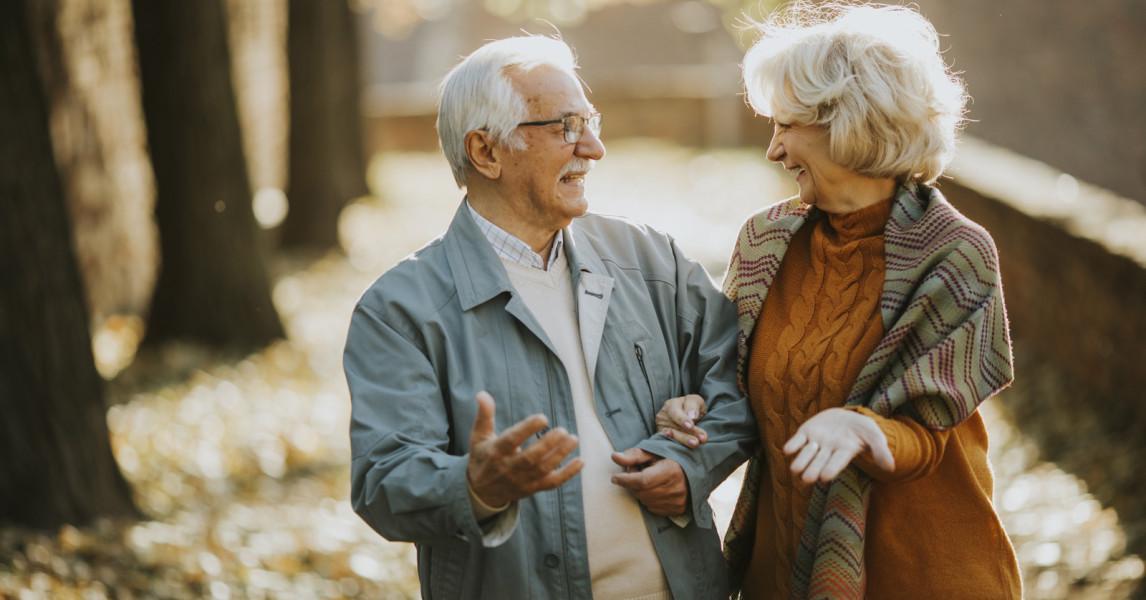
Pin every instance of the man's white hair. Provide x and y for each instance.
(872, 75)
(478, 94)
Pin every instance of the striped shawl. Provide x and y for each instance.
(945, 349)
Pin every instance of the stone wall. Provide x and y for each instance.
(1073, 258)
(1061, 82)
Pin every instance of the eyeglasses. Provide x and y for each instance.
(574, 125)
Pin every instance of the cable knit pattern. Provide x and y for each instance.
(826, 307)
(945, 348)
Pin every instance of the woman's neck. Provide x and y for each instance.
(859, 192)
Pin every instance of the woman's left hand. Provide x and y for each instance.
(825, 444)
(677, 420)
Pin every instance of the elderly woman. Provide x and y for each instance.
(871, 327)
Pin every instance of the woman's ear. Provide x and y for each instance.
(482, 155)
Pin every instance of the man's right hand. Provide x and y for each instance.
(501, 471)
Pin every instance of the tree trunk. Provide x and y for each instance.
(56, 464)
(327, 167)
(213, 286)
(88, 67)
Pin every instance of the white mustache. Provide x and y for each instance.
(577, 165)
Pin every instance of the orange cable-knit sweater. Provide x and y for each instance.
(819, 323)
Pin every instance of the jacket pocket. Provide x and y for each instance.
(644, 361)
(639, 351)
(447, 568)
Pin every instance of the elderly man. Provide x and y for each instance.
(532, 343)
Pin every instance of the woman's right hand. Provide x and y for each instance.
(826, 444)
(677, 420)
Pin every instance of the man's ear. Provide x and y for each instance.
(481, 152)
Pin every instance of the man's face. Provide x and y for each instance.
(546, 180)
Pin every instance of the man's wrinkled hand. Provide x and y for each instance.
(500, 471)
(657, 482)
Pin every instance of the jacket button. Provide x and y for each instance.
(551, 560)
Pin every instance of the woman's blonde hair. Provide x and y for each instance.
(872, 75)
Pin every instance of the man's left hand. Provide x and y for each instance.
(658, 483)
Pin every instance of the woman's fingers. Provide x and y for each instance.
(795, 443)
(835, 465)
(694, 406)
(805, 456)
(815, 469)
(683, 411)
(677, 420)
(693, 438)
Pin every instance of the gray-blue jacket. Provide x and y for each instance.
(445, 323)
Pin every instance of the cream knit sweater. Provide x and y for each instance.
(622, 561)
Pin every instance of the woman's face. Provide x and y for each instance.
(803, 150)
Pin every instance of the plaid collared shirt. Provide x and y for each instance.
(512, 249)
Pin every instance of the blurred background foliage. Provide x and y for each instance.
(397, 19)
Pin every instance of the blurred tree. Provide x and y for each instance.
(213, 285)
(88, 66)
(56, 464)
(327, 165)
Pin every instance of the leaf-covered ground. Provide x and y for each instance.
(241, 464)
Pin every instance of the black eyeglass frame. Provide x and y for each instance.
(572, 136)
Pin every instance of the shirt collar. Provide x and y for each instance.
(513, 249)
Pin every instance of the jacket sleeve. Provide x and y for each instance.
(706, 339)
(408, 482)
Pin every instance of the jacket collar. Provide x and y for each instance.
(478, 273)
(582, 257)
(592, 289)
